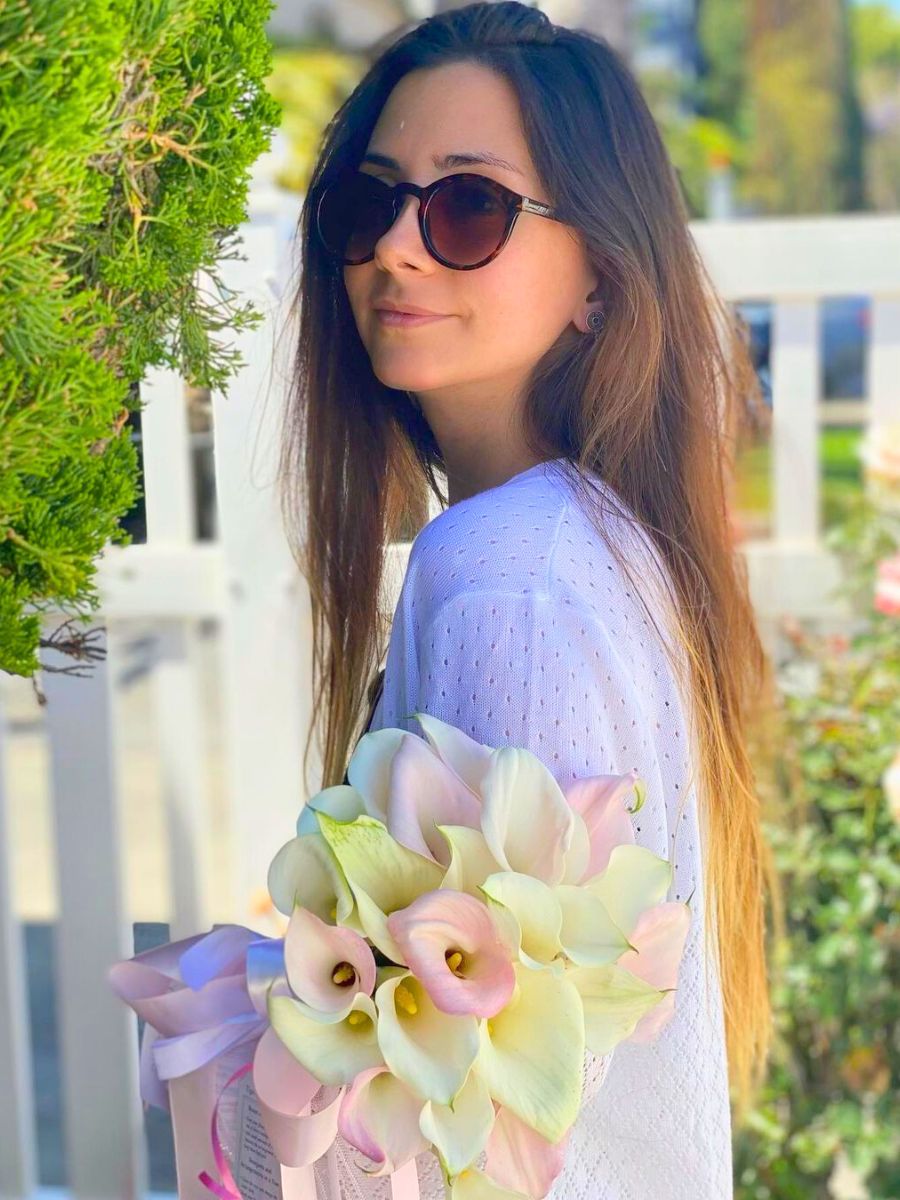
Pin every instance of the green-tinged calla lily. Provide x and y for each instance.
(470, 859)
(532, 1053)
(383, 875)
(588, 935)
(525, 818)
(460, 1133)
(468, 758)
(306, 872)
(634, 880)
(614, 1002)
(472, 1184)
(341, 802)
(369, 769)
(430, 1050)
(578, 856)
(334, 1047)
(535, 908)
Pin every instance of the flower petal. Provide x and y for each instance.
(473, 1184)
(520, 1159)
(659, 938)
(634, 880)
(470, 859)
(532, 1053)
(428, 1049)
(535, 907)
(369, 769)
(334, 1051)
(614, 1001)
(379, 1115)
(341, 802)
(460, 1133)
(525, 818)
(425, 792)
(468, 758)
(600, 801)
(315, 950)
(445, 923)
(579, 853)
(588, 935)
(305, 872)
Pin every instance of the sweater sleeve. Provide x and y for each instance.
(587, 690)
(538, 670)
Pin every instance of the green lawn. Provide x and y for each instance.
(841, 475)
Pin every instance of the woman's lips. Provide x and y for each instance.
(402, 320)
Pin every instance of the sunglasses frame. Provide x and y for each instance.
(514, 202)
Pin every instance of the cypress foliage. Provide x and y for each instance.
(127, 132)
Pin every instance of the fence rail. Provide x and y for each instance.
(245, 583)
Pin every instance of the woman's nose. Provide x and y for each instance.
(404, 238)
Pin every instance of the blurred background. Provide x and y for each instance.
(148, 798)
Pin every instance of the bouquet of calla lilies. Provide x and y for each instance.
(461, 930)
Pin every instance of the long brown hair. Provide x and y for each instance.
(655, 408)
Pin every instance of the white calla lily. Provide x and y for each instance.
(305, 872)
(614, 1001)
(459, 1133)
(334, 1047)
(369, 769)
(341, 802)
(382, 875)
(634, 880)
(430, 1050)
(588, 935)
(468, 758)
(470, 859)
(532, 1053)
(526, 820)
(535, 908)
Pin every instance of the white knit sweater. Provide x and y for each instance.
(516, 624)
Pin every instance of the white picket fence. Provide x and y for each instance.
(246, 582)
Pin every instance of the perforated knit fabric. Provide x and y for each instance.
(516, 624)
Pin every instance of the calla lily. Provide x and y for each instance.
(382, 874)
(379, 1115)
(453, 947)
(659, 938)
(470, 859)
(369, 769)
(326, 965)
(468, 758)
(341, 802)
(634, 880)
(460, 1133)
(473, 1184)
(599, 800)
(334, 1047)
(613, 1000)
(537, 1074)
(536, 910)
(305, 872)
(428, 1049)
(424, 793)
(525, 818)
(588, 934)
(520, 1159)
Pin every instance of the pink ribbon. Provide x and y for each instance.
(204, 997)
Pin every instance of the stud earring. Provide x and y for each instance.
(595, 320)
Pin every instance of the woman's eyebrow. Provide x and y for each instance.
(442, 162)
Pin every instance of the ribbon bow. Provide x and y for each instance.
(203, 997)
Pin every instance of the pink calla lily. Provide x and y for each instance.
(379, 1115)
(659, 935)
(599, 800)
(520, 1159)
(452, 945)
(326, 965)
(426, 793)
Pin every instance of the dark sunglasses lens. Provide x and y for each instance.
(354, 212)
(466, 221)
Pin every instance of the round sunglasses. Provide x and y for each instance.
(465, 219)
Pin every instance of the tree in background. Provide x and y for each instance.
(876, 40)
(127, 133)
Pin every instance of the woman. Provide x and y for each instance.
(572, 373)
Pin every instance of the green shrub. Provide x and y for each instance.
(127, 133)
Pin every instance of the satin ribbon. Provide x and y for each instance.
(205, 996)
